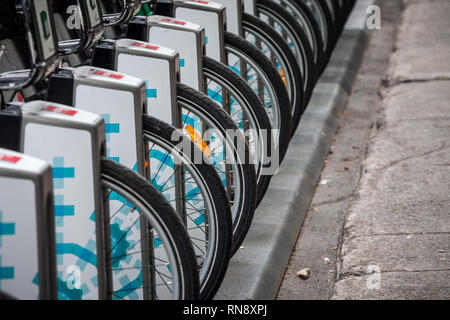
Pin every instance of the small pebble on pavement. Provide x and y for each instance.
(304, 273)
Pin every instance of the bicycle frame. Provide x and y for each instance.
(27, 237)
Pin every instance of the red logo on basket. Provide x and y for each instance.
(174, 21)
(9, 158)
(144, 45)
(19, 97)
(109, 75)
(65, 111)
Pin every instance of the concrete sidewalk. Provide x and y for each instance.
(396, 239)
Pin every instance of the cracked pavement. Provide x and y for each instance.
(379, 226)
(399, 221)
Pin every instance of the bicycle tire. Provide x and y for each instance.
(157, 210)
(300, 91)
(325, 24)
(288, 27)
(306, 19)
(244, 50)
(338, 14)
(219, 218)
(218, 119)
(332, 18)
(255, 115)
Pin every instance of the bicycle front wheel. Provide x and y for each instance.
(306, 20)
(213, 130)
(287, 27)
(248, 61)
(148, 254)
(233, 94)
(190, 184)
(277, 50)
(325, 23)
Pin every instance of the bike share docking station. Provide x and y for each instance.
(122, 99)
(75, 142)
(103, 205)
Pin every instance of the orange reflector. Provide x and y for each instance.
(283, 76)
(197, 138)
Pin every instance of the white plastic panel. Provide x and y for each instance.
(116, 107)
(69, 151)
(185, 43)
(233, 15)
(18, 238)
(250, 7)
(209, 20)
(156, 74)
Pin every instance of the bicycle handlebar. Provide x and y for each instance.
(42, 45)
(129, 9)
(91, 28)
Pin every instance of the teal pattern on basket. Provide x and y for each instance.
(6, 272)
(110, 128)
(6, 229)
(150, 92)
(85, 254)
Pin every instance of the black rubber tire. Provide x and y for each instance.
(298, 36)
(222, 122)
(300, 92)
(334, 21)
(252, 53)
(340, 16)
(329, 26)
(164, 131)
(162, 211)
(254, 108)
(319, 52)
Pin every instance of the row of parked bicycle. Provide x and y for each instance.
(138, 137)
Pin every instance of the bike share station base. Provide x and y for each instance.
(257, 269)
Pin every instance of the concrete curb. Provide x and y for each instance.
(256, 271)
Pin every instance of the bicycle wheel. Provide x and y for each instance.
(287, 27)
(277, 50)
(335, 9)
(247, 60)
(331, 14)
(233, 94)
(213, 130)
(309, 25)
(325, 24)
(202, 204)
(150, 254)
